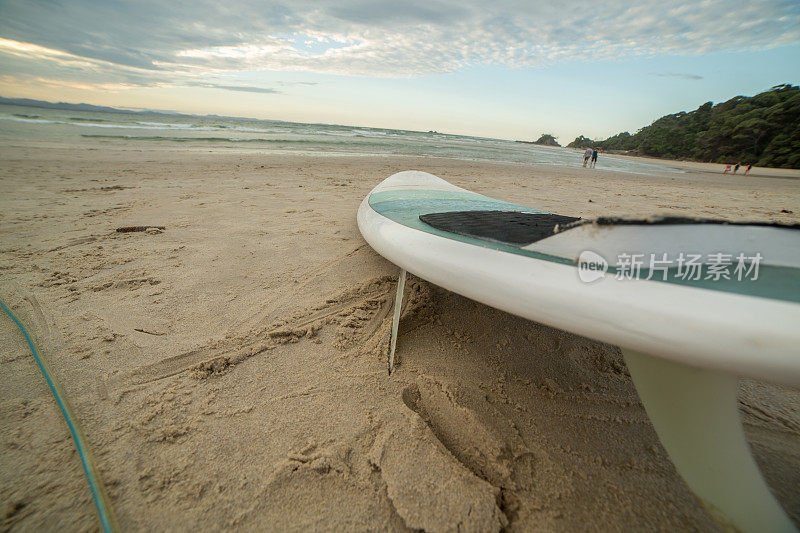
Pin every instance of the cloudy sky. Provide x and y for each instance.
(501, 68)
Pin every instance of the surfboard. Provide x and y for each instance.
(693, 304)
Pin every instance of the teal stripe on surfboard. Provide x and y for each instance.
(406, 206)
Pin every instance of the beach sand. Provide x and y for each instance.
(230, 371)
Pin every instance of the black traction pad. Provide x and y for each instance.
(517, 228)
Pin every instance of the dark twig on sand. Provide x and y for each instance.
(140, 330)
(127, 229)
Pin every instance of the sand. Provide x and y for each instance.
(230, 370)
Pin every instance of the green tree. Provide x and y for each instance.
(763, 129)
(581, 142)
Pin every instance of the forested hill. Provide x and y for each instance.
(763, 130)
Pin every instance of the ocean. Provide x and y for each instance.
(26, 125)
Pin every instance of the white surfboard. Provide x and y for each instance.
(694, 304)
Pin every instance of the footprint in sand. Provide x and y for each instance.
(429, 489)
(501, 458)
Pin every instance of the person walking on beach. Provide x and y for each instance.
(735, 168)
(594, 158)
(747, 170)
(586, 155)
(727, 169)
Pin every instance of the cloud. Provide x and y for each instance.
(681, 75)
(239, 88)
(170, 41)
(377, 13)
(244, 89)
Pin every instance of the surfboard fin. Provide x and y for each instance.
(398, 306)
(695, 414)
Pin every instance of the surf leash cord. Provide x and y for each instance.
(101, 501)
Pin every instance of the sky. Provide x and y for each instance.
(510, 69)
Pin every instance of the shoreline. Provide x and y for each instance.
(682, 165)
(716, 168)
(702, 166)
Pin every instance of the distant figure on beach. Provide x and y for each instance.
(594, 157)
(747, 170)
(727, 169)
(736, 167)
(586, 155)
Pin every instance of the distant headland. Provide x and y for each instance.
(546, 139)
